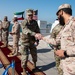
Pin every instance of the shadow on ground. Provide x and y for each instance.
(43, 50)
(46, 67)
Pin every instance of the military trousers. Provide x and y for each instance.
(15, 44)
(68, 65)
(57, 60)
(24, 50)
(5, 38)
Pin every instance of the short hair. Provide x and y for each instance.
(67, 10)
(15, 19)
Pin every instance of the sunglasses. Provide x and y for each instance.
(30, 15)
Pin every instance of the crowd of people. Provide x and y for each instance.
(62, 39)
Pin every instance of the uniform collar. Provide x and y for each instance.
(70, 18)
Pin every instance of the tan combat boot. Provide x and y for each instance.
(34, 64)
(24, 72)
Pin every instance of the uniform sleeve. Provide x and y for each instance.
(55, 37)
(71, 49)
(25, 30)
(56, 34)
(55, 31)
(49, 40)
(53, 34)
(17, 28)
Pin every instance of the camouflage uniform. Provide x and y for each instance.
(29, 29)
(67, 36)
(16, 36)
(67, 40)
(54, 33)
(5, 31)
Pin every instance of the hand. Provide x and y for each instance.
(36, 44)
(11, 33)
(38, 36)
(46, 40)
(60, 53)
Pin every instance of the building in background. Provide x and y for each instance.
(44, 27)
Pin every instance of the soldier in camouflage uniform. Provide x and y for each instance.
(30, 32)
(54, 33)
(5, 31)
(16, 35)
(66, 38)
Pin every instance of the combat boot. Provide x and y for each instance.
(24, 72)
(34, 64)
(35, 69)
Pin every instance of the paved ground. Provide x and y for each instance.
(46, 61)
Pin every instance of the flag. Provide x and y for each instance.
(35, 14)
(11, 65)
(19, 15)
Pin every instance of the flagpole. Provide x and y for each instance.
(13, 71)
(13, 68)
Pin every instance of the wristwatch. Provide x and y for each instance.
(65, 54)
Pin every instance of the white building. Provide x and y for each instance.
(44, 27)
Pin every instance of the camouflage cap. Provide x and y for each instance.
(29, 12)
(63, 6)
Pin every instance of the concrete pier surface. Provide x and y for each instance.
(46, 60)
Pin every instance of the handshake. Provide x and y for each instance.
(41, 37)
(38, 36)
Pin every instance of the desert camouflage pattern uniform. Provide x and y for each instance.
(28, 40)
(16, 36)
(66, 38)
(5, 31)
(54, 33)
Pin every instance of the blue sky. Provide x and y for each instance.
(46, 8)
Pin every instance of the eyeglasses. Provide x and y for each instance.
(30, 15)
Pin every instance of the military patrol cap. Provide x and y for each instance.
(29, 12)
(63, 6)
